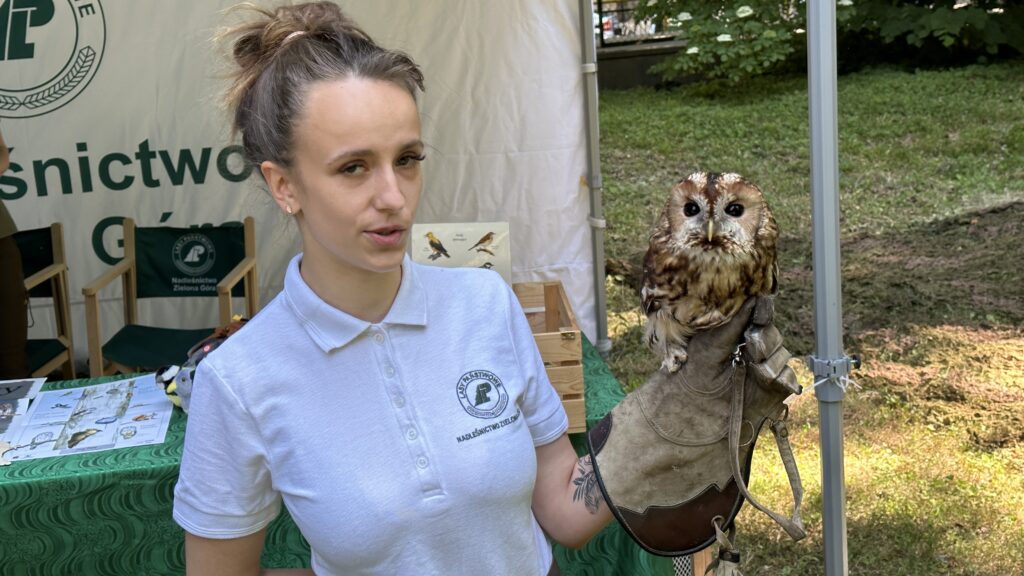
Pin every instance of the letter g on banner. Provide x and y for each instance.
(49, 52)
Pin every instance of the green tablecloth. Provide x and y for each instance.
(109, 513)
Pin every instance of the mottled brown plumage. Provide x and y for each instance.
(712, 248)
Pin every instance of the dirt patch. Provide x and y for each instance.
(971, 380)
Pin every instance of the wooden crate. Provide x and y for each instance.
(560, 343)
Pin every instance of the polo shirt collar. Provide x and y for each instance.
(331, 328)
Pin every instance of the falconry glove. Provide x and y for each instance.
(673, 458)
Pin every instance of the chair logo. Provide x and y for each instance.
(193, 254)
(482, 394)
(49, 52)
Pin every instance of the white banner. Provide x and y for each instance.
(111, 108)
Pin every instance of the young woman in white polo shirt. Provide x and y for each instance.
(401, 412)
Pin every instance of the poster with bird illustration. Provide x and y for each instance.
(128, 412)
(464, 244)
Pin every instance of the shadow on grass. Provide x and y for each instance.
(966, 271)
(876, 544)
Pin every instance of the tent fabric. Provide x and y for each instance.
(143, 137)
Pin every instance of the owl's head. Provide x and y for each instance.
(718, 214)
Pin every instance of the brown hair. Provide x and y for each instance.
(281, 51)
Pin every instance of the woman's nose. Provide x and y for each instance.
(389, 195)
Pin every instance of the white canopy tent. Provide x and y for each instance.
(111, 109)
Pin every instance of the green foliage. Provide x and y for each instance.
(981, 26)
(738, 39)
(733, 39)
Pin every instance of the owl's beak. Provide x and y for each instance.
(711, 230)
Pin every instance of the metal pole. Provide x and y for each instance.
(597, 222)
(829, 364)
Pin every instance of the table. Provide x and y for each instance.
(109, 513)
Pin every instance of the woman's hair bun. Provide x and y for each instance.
(270, 29)
(279, 51)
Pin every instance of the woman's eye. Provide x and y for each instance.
(353, 169)
(410, 159)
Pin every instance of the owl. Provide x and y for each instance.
(712, 248)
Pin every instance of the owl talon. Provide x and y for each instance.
(674, 361)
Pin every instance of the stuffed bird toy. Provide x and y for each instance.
(177, 380)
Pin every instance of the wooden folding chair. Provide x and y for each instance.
(212, 261)
(46, 276)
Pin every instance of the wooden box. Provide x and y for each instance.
(560, 343)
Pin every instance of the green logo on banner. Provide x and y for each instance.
(49, 52)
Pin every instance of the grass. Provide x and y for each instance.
(932, 198)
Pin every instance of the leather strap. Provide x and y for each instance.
(792, 527)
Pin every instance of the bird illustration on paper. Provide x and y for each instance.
(483, 243)
(77, 437)
(712, 248)
(437, 248)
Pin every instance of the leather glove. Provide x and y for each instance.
(666, 457)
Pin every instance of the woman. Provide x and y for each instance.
(401, 412)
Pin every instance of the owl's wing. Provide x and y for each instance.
(649, 302)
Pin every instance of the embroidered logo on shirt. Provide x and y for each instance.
(482, 394)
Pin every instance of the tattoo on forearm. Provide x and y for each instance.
(587, 489)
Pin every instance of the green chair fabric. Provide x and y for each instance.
(42, 350)
(182, 262)
(36, 248)
(152, 346)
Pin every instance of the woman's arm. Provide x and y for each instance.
(229, 557)
(566, 498)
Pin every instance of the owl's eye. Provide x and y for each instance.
(735, 210)
(691, 209)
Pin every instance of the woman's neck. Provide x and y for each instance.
(364, 294)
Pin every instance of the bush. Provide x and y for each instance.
(920, 33)
(737, 39)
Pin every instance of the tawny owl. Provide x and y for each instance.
(712, 248)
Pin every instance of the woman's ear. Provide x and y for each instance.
(281, 184)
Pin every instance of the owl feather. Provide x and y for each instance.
(713, 246)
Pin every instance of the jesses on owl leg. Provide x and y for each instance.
(668, 338)
(675, 354)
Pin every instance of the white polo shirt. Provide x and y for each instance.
(403, 447)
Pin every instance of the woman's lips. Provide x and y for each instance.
(386, 237)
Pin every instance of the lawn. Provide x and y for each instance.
(932, 199)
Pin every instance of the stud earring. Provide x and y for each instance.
(288, 209)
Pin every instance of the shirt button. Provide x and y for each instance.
(390, 371)
(411, 434)
(378, 338)
(421, 462)
(399, 401)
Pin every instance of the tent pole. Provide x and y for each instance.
(597, 222)
(829, 364)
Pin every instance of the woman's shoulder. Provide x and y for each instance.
(258, 335)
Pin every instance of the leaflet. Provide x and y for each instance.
(118, 414)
